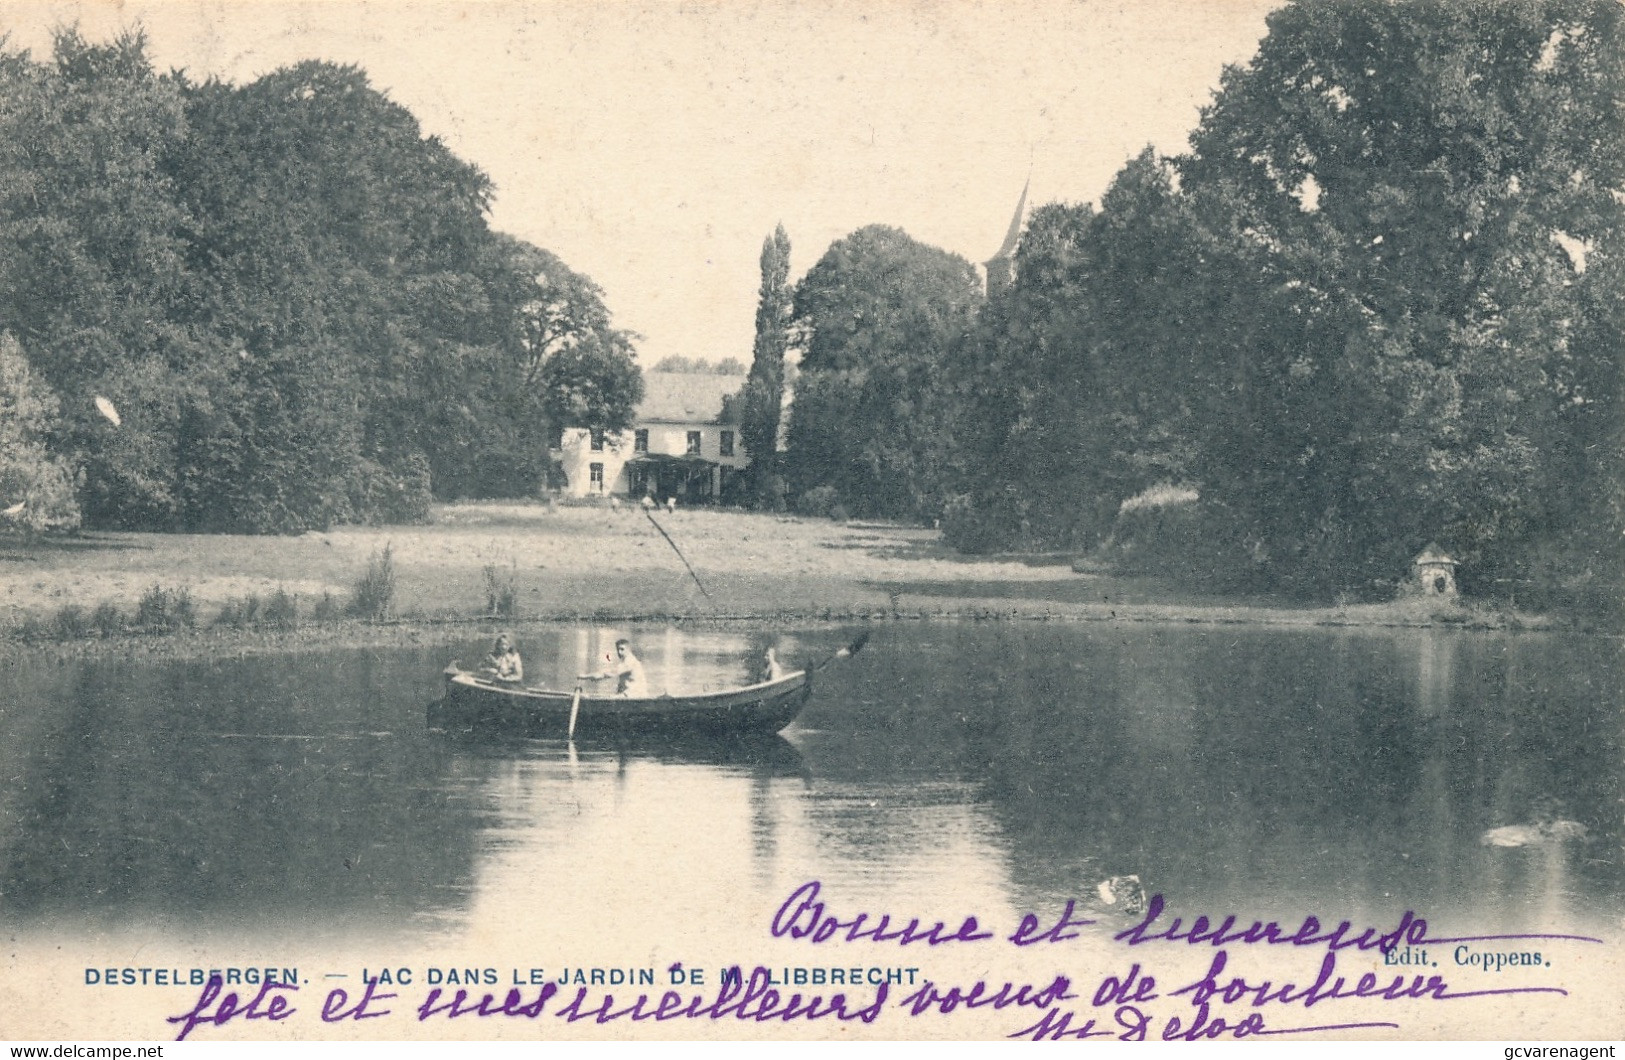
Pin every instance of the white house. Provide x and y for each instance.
(680, 444)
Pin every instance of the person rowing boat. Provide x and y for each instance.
(757, 707)
(628, 673)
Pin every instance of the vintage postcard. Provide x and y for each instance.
(807, 519)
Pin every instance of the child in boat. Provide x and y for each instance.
(771, 670)
(504, 663)
(628, 673)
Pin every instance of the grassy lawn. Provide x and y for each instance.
(567, 563)
(564, 562)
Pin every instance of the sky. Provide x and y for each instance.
(653, 145)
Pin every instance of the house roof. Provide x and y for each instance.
(1433, 554)
(672, 458)
(685, 397)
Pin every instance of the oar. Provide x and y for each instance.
(575, 708)
(843, 653)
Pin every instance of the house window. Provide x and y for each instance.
(595, 477)
(727, 443)
(693, 443)
(597, 441)
(640, 440)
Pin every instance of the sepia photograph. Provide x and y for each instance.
(763, 520)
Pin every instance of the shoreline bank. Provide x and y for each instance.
(594, 565)
(200, 641)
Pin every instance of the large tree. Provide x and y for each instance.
(882, 314)
(557, 362)
(581, 367)
(92, 257)
(761, 402)
(1432, 195)
(1377, 303)
(290, 292)
(1080, 370)
(336, 253)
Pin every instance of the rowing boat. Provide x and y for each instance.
(766, 707)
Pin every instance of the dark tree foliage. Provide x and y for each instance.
(555, 362)
(332, 252)
(577, 369)
(882, 315)
(1378, 303)
(1413, 181)
(761, 402)
(292, 295)
(92, 256)
(36, 489)
(676, 362)
(271, 446)
(593, 384)
(1077, 418)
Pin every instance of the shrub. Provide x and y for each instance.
(1159, 531)
(1196, 543)
(107, 618)
(398, 493)
(167, 609)
(282, 610)
(818, 501)
(152, 610)
(70, 623)
(589, 500)
(979, 526)
(777, 490)
(374, 594)
(182, 614)
(31, 627)
(28, 472)
(501, 592)
(837, 512)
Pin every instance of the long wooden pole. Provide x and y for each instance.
(679, 552)
(575, 708)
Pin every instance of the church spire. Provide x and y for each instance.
(1001, 267)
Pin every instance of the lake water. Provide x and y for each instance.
(289, 805)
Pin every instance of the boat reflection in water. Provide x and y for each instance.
(761, 753)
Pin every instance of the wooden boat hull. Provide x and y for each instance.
(763, 708)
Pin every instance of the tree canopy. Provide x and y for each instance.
(1423, 189)
(881, 315)
(1375, 304)
(677, 363)
(291, 291)
(36, 489)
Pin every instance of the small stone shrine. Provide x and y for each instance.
(1433, 573)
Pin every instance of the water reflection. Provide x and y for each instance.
(1008, 765)
(768, 754)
